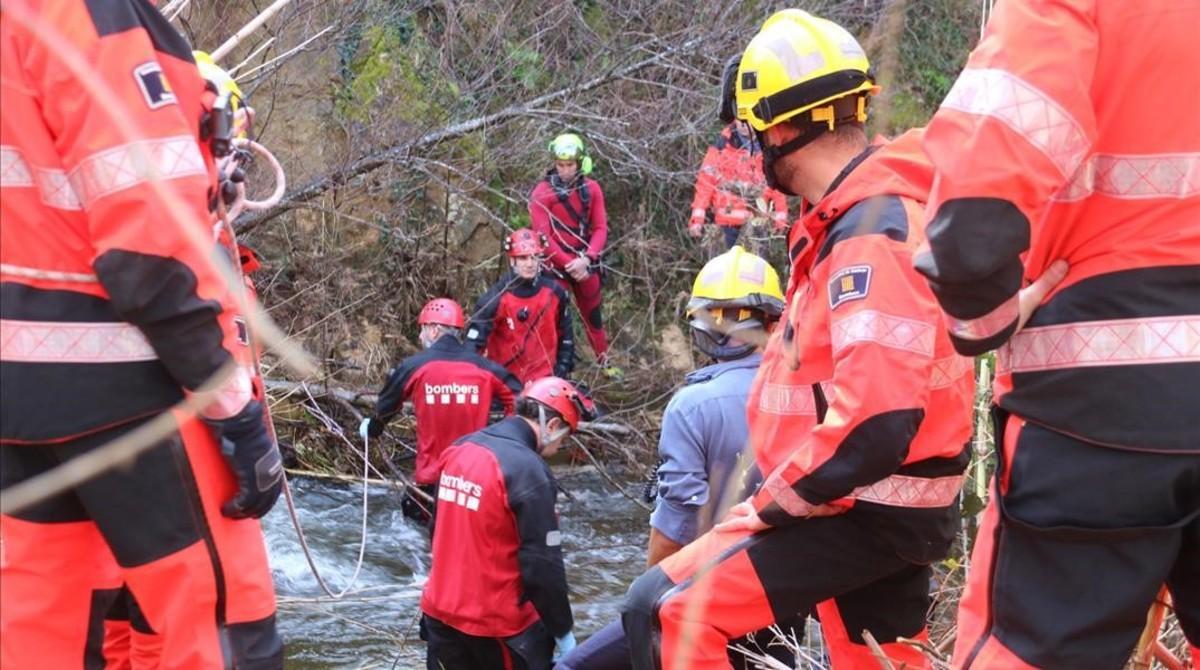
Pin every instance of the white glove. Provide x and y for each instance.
(563, 645)
(362, 427)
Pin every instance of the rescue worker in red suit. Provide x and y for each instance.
(497, 590)
(1078, 168)
(860, 412)
(567, 207)
(730, 180)
(523, 321)
(111, 311)
(451, 388)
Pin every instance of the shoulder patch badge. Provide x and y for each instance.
(851, 283)
(154, 85)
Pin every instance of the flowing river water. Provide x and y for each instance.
(374, 625)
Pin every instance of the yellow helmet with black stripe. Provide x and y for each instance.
(801, 63)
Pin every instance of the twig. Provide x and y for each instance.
(250, 27)
(350, 479)
(367, 400)
(257, 50)
(604, 473)
(396, 152)
(884, 661)
(285, 54)
(174, 9)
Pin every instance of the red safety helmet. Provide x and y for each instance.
(561, 396)
(443, 312)
(525, 242)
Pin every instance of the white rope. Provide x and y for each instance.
(362, 546)
(985, 13)
(228, 164)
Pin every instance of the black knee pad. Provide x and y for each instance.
(639, 617)
(594, 319)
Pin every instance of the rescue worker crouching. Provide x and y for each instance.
(451, 388)
(567, 207)
(497, 590)
(523, 321)
(736, 301)
(110, 315)
(860, 413)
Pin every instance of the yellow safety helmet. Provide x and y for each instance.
(570, 147)
(736, 291)
(227, 119)
(801, 63)
(219, 78)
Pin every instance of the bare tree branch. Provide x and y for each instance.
(386, 156)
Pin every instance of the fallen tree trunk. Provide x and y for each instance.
(280, 387)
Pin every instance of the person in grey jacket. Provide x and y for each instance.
(736, 300)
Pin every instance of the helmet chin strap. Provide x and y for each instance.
(825, 119)
(771, 154)
(546, 439)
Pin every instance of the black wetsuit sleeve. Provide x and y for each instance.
(480, 326)
(565, 362)
(391, 398)
(540, 555)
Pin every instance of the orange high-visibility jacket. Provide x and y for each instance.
(860, 397)
(107, 311)
(731, 173)
(1074, 133)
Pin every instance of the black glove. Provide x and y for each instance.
(374, 428)
(251, 453)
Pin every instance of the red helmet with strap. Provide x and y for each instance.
(561, 396)
(525, 242)
(443, 312)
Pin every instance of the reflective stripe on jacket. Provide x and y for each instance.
(861, 398)
(110, 309)
(497, 550)
(1091, 155)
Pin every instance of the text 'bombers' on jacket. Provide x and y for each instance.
(451, 388)
(497, 550)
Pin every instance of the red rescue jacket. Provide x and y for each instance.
(861, 400)
(109, 309)
(730, 181)
(451, 388)
(497, 555)
(572, 218)
(526, 327)
(1047, 154)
